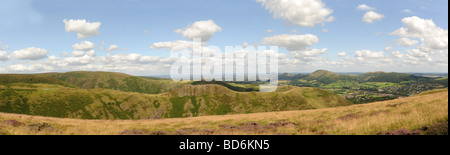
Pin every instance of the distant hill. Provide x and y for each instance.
(229, 86)
(6, 79)
(390, 77)
(328, 77)
(185, 101)
(114, 81)
(95, 80)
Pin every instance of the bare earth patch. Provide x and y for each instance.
(13, 123)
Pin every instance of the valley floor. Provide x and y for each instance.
(407, 114)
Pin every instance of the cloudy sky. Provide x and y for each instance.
(135, 36)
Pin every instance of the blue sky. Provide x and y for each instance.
(134, 25)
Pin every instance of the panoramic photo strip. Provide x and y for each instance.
(262, 68)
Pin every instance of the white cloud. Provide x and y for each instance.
(365, 7)
(31, 53)
(434, 48)
(91, 53)
(77, 53)
(270, 31)
(342, 54)
(389, 48)
(308, 54)
(298, 46)
(295, 31)
(325, 30)
(77, 61)
(371, 16)
(201, 29)
(172, 44)
(398, 54)
(330, 19)
(367, 54)
(84, 46)
(83, 28)
(6, 47)
(134, 64)
(28, 68)
(417, 56)
(292, 42)
(64, 54)
(124, 57)
(305, 13)
(111, 48)
(245, 44)
(431, 36)
(149, 59)
(3, 56)
(406, 42)
(406, 11)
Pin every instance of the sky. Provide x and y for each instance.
(135, 36)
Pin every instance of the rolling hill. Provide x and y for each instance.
(423, 114)
(114, 81)
(7, 79)
(185, 101)
(390, 77)
(327, 77)
(94, 80)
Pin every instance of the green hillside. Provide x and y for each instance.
(423, 114)
(327, 77)
(390, 77)
(186, 101)
(114, 81)
(6, 79)
(232, 86)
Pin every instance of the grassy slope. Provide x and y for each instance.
(186, 101)
(94, 80)
(407, 113)
(390, 77)
(114, 81)
(6, 79)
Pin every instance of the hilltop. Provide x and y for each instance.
(93, 80)
(7, 79)
(114, 81)
(391, 77)
(425, 114)
(327, 77)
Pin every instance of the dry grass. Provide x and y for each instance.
(368, 119)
